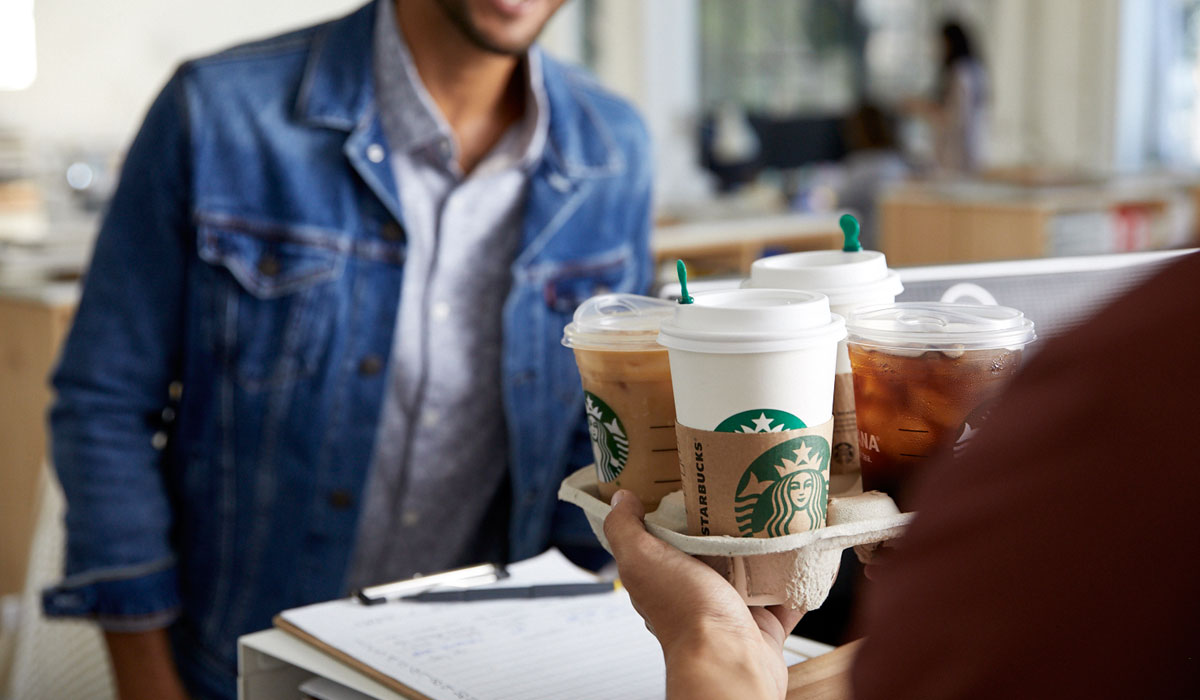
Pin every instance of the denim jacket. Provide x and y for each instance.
(241, 303)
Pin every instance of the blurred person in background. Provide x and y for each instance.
(318, 344)
(1035, 566)
(874, 162)
(957, 113)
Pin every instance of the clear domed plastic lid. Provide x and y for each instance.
(939, 326)
(618, 322)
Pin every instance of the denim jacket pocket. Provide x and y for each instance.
(569, 284)
(272, 297)
(563, 286)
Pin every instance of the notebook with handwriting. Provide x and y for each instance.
(592, 646)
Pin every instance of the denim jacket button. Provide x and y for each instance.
(340, 499)
(392, 232)
(268, 265)
(370, 365)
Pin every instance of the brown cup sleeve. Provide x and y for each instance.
(755, 484)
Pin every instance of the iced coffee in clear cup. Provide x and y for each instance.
(925, 377)
(627, 394)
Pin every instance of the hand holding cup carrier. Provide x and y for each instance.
(753, 374)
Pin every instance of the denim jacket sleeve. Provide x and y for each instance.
(570, 531)
(112, 384)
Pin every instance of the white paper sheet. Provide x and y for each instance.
(582, 647)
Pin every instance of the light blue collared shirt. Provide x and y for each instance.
(440, 458)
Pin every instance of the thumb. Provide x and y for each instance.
(624, 527)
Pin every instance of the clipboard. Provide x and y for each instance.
(365, 669)
(516, 648)
(568, 648)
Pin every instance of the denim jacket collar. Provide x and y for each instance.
(338, 92)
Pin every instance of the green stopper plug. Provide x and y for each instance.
(681, 270)
(850, 230)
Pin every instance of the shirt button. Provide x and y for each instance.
(391, 232)
(444, 148)
(268, 265)
(340, 499)
(410, 518)
(375, 153)
(370, 365)
(430, 418)
(441, 311)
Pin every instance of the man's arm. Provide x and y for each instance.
(714, 646)
(112, 383)
(1053, 559)
(143, 666)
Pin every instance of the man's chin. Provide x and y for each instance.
(499, 46)
(491, 30)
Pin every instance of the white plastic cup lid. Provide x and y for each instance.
(752, 320)
(939, 326)
(846, 278)
(618, 322)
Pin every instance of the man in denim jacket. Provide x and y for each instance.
(319, 340)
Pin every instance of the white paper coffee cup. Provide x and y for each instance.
(753, 360)
(851, 280)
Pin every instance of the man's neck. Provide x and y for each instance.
(477, 91)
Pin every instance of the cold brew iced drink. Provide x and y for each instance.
(925, 379)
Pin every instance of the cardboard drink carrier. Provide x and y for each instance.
(752, 372)
(793, 570)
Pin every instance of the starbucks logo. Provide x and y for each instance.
(610, 443)
(763, 420)
(784, 490)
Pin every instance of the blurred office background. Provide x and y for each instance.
(1091, 116)
(770, 118)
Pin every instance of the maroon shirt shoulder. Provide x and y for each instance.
(1060, 559)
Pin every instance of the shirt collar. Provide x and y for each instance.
(412, 121)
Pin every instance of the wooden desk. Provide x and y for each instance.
(937, 222)
(730, 246)
(826, 677)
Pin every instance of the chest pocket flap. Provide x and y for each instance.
(272, 261)
(270, 320)
(568, 285)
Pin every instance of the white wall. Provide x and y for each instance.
(1055, 70)
(649, 52)
(101, 63)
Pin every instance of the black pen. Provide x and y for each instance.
(478, 575)
(554, 590)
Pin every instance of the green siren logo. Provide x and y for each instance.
(784, 491)
(610, 443)
(761, 420)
